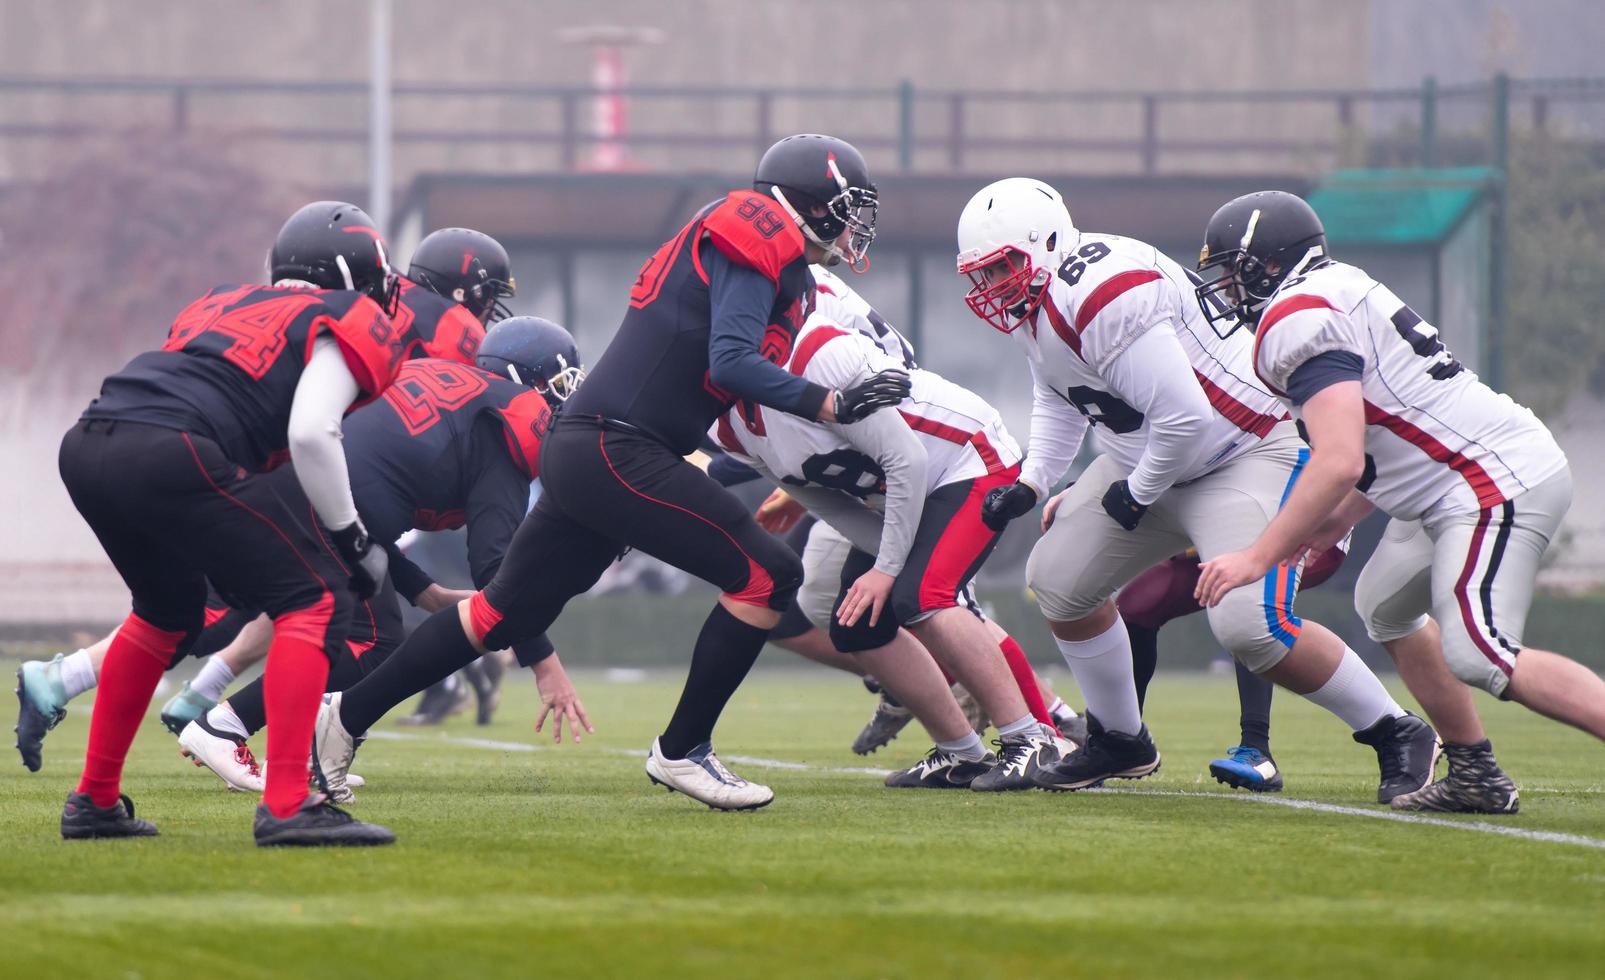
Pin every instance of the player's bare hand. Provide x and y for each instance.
(559, 701)
(779, 512)
(1051, 508)
(869, 594)
(1221, 575)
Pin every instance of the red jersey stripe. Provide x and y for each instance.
(1278, 311)
(1061, 326)
(957, 436)
(1488, 494)
(726, 436)
(817, 338)
(1236, 412)
(1108, 291)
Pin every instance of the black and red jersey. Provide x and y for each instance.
(654, 375)
(233, 358)
(447, 445)
(430, 325)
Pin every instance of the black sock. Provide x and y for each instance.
(437, 649)
(249, 705)
(1254, 700)
(726, 649)
(1144, 657)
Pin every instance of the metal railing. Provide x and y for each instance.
(921, 130)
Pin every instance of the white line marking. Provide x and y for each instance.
(1479, 826)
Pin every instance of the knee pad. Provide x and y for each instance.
(773, 577)
(1057, 604)
(1391, 616)
(861, 636)
(1257, 634)
(1471, 666)
(787, 576)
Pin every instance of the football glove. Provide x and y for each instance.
(878, 391)
(1118, 504)
(366, 561)
(1004, 504)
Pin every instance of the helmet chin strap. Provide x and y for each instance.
(833, 251)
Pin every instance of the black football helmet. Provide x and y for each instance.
(534, 352)
(466, 266)
(1253, 245)
(334, 245)
(810, 173)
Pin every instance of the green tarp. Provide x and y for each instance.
(1398, 207)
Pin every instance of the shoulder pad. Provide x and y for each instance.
(367, 337)
(457, 337)
(526, 419)
(751, 230)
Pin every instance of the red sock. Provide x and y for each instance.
(292, 690)
(134, 664)
(1026, 678)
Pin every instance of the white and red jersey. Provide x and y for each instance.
(1107, 297)
(839, 303)
(1435, 435)
(963, 436)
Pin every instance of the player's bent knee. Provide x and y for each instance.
(1046, 580)
(320, 623)
(1252, 632)
(774, 574)
(861, 635)
(1470, 666)
(167, 638)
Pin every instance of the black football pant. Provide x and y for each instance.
(173, 512)
(607, 488)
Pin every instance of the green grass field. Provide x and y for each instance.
(565, 862)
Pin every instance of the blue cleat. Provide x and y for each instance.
(184, 707)
(41, 704)
(1247, 768)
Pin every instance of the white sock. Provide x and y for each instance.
(1024, 725)
(224, 719)
(1354, 694)
(78, 673)
(968, 748)
(1060, 711)
(213, 679)
(1102, 668)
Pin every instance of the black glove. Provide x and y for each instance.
(878, 391)
(1119, 505)
(1004, 504)
(366, 561)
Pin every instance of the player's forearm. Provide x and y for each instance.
(1321, 489)
(322, 396)
(739, 301)
(887, 439)
(1175, 443)
(1155, 376)
(1057, 431)
(854, 521)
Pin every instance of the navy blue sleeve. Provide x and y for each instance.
(1322, 371)
(410, 580)
(726, 472)
(498, 498)
(740, 299)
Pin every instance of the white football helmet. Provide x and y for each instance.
(1012, 236)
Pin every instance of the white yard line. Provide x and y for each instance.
(1477, 826)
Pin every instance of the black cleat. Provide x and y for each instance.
(485, 676)
(1407, 749)
(1020, 757)
(1073, 728)
(1475, 784)
(81, 819)
(1104, 755)
(318, 823)
(39, 708)
(939, 770)
(441, 701)
(889, 719)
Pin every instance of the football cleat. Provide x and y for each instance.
(485, 677)
(41, 704)
(1104, 755)
(1246, 767)
(439, 702)
(1475, 784)
(871, 685)
(940, 770)
(333, 748)
(318, 823)
(1071, 725)
(184, 707)
(1019, 759)
(701, 776)
(1407, 750)
(226, 754)
(889, 719)
(81, 819)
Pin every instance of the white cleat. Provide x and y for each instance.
(332, 751)
(701, 776)
(226, 755)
